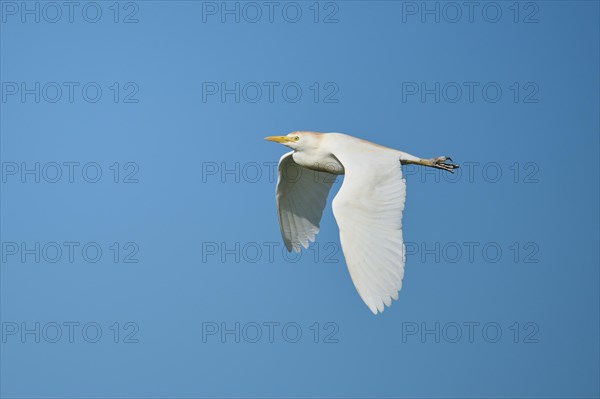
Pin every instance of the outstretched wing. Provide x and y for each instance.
(301, 198)
(368, 209)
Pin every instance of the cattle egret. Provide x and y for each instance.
(367, 208)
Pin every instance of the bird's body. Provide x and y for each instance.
(368, 207)
(324, 157)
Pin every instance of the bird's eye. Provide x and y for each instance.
(296, 138)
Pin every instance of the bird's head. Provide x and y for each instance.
(297, 140)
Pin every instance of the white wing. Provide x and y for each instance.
(368, 209)
(301, 198)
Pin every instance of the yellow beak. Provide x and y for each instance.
(280, 139)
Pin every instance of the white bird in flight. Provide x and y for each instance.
(368, 207)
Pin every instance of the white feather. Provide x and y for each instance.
(301, 199)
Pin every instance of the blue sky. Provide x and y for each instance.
(140, 243)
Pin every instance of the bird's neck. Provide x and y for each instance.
(319, 160)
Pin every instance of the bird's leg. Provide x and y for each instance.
(438, 163)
